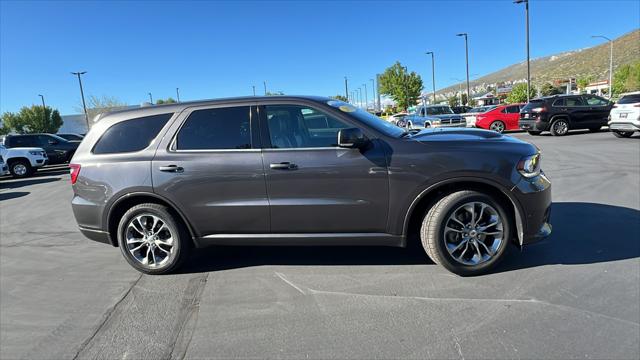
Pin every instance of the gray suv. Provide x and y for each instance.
(159, 181)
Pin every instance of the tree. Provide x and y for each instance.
(403, 87)
(452, 101)
(32, 120)
(626, 78)
(168, 100)
(583, 82)
(547, 89)
(519, 94)
(340, 97)
(98, 105)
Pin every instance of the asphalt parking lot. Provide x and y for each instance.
(577, 295)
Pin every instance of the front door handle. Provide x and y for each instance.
(171, 168)
(283, 166)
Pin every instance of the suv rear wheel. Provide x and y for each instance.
(623, 134)
(560, 127)
(20, 168)
(152, 240)
(467, 232)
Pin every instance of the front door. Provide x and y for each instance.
(512, 115)
(212, 170)
(314, 186)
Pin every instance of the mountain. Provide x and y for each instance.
(593, 62)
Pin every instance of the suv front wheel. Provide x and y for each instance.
(152, 240)
(20, 169)
(467, 232)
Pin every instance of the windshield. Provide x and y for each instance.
(369, 119)
(630, 99)
(439, 110)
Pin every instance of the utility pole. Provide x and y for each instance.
(373, 94)
(44, 109)
(610, 63)
(366, 100)
(433, 74)
(346, 88)
(378, 91)
(254, 90)
(466, 51)
(84, 105)
(178, 94)
(150, 98)
(265, 87)
(526, 9)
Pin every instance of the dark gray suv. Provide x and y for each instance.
(158, 181)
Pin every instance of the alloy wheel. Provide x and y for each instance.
(150, 240)
(497, 126)
(19, 169)
(560, 127)
(474, 233)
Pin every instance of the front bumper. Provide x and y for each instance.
(456, 125)
(534, 196)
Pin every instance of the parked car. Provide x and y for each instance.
(624, 118)
(71, 136)
(434, 116)
(23, 161)
(561, 113)
(159, 180)
(4, 169)
(500, 118)
(397, 118)
(470, 116)
(461, 109)
(58, 150)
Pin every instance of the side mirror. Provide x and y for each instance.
(351, 138)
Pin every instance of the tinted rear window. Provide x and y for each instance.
(221, 128)
(532, 104)
(131, 135)
(630, 99)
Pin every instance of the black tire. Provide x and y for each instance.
(623, 134)
(432, 232)
(20, 169)
(534, 133)
(498, 126)
(560, 127)
(177, 229)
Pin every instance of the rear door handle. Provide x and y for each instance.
(171, 168)
(283, 166)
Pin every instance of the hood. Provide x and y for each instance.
(469, 138)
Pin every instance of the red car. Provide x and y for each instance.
(504, 117)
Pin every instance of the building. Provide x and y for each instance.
(599, 88)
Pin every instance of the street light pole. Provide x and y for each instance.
(265, 87)
(610, 62)
(378, 91)
(44, 109)
(526, 9)
(254, 90)
(346, 88)
(150, 98)
(366, 100)
(84, 105)
(433, 74)
(466, 51)
(178, 94)
(373, 94)
(359, 97)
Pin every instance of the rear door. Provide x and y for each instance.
(598, 110)
(314, 186)
(209, 164)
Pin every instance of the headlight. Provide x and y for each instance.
(34, 152)
(436, 122)
(529, 166)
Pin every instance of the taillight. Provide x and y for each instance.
(75, 171)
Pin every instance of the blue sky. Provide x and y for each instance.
(218, 49)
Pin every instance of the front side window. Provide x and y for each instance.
(299, 126)
(596, 101)
(131, 135)
(573, 101)
(513, 109)
(216, 129)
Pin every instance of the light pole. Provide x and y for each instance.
(378, 91)
(84, 105)
(254, 90)
(150, 98)
(366, 100)
(433, 74)
(373, 94)
(460, 81)
(526, 9)
(466, 51)
(44, 109)
(178, 94)
(359, 97)
(406, 87)
(610, 62)
(346, 88)
(265, 87)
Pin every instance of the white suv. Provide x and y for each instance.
(23, 161)
(624, 118)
